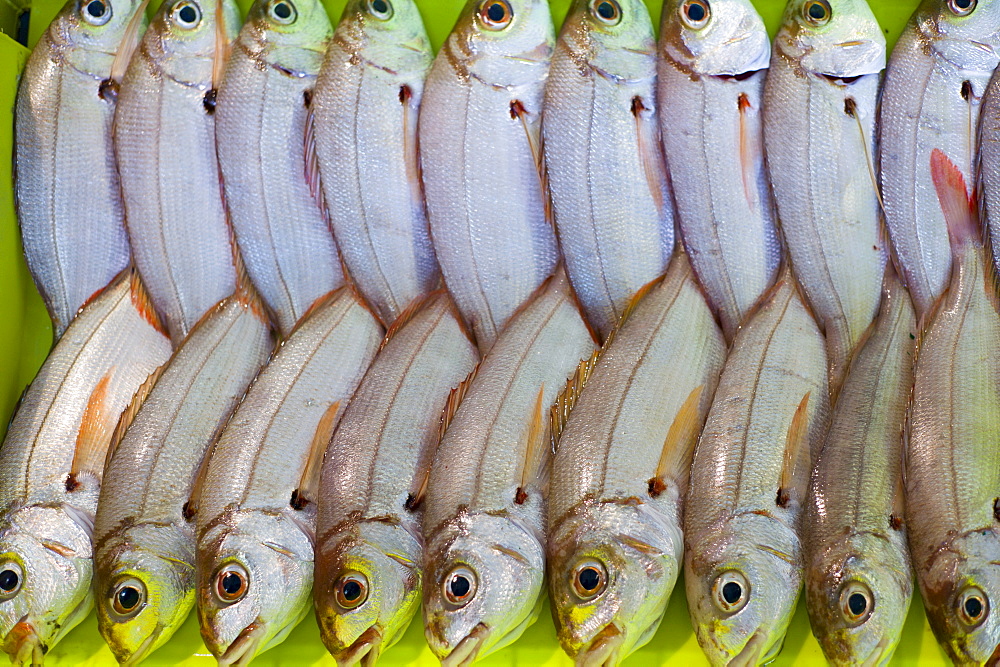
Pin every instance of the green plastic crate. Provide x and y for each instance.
(26, 335)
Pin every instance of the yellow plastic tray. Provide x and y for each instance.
(25, 337)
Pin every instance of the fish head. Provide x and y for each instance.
(961, 591)
(144, 590)
(367, 589)
(743, 581)
(186, 39)
(255, 573)
(293, 34)
(483, 583)
(390, 34)
(612, 568)
(97, 25)
(964, 32)
(46, 567)
(615, 37)
(858, 594)
(503, 43)
(715, 37)
(838, 39)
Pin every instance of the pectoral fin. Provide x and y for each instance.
(309, 482)
(535, 454)
(95, 433)
(797, 454)
(678, 447)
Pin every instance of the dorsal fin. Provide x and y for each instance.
(534, 450)
(566, 399)
(796, 446)
(630, 307)
(678, 446)
(455, 398)
(143, 304)
(416, 306)
(127, 417)
(94, 434)
(650, 152)
(109, 88)
(309, 482)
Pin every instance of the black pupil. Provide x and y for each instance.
(459, 586)
(732, 592)
(282, 10)
(8, 580)
(128, 597)
(380, 7)
(496, 12)
(589, 579)
(857, 603)
(96, 8)
(231, 583)
(818, 11)
(963, 4)
(187, 14)
(606, 10)
(973, 607)
(352, 591)
(696, 12)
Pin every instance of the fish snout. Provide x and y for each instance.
(245, 646)
(126, 659)
(365, 649)
(23, 644)
(604, 650)
(465, 651)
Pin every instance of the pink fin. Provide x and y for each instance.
(959, 208)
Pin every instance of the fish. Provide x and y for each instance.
(987, 185)
(952, 464)
(365, 107)
(69, 205)
(931, 99)
(481, 160)
(713, 61)
(858, 578)
(610, 199)
(484, 509)
(749, 480)
(619, 475)
(52, 463)
(261, 121)
(819, 117)
(144, 539)
(369, 546)
(256, 510)
(164, 137)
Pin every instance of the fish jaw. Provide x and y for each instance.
(365, 650)
(605, 650)
(467, 650)
(23, 645)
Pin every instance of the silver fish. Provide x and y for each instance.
(261, 121)
(366, 102)
(479, 136)
(256, 511)
(749, 480)
(52, 462)
(369, 548)
(714, 56)
(603, 158)
(66, 183)
(620, 471)
(165, 142)
(144, 538)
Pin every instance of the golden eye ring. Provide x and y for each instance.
(351, 590)
(730, 592)
(496, 14)
(460, 586)
(696, 14)
(817, 12)
(231, 583)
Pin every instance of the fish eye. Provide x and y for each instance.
(606, 11)
(351, 590)
(380, 9)
(95, 12)
(973, 606)
(496, 14)
(589, 579)
(128, 597)
(460, 586)
(282, 11)
(817, 12)
(186, 14)
(856, 602)
(11, 578)
(962, 7)
(695, 14)
(231, 583)
(730, 591)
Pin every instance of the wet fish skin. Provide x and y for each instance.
(166, 148)
(479, 135)
(144, 538)
(69, 205)
(855, 533)
(819, 99)
(51, 465)
(366, 103)
(931, 99)
(367, 527)
(603, 507)
(736, 530)
(600, 128)
(710, 83)
(256, 512)
(989, 155)
(474, 527)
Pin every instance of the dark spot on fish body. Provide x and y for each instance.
(895, 522)
(520, 497)
(405, 94)
(209, 100)
(298, 500)
(637, 106)
(412, 503)
(655, 487)
(996, 509)
(967, 92)
(187, 511)
(851, 109)
(743, 103)
(307, 97)
(781, 500)
(72, 484)
(108, 90)
(517, 109)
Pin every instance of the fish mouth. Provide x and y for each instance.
(466, 651)
(364, 650)
(877, 655)
(23, 644)
(244, 647)
(748, 655)
(138, 655)
(604, 650)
